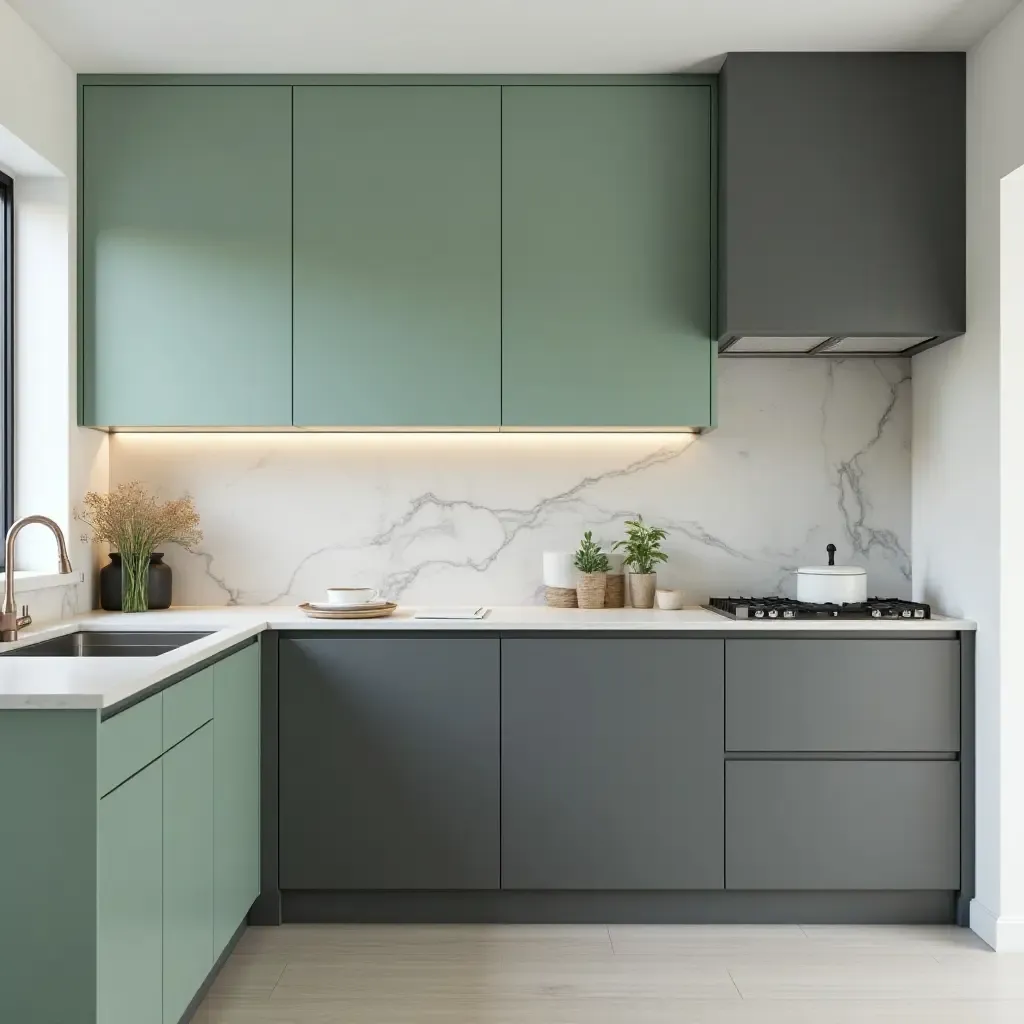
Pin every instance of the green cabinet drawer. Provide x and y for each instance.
(130, 902)
(397, 240)
(187, 706)
(129, 741)
(607, 203)
(187, 870)
(186, 255)
(236, 791)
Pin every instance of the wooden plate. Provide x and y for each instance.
(378, 612)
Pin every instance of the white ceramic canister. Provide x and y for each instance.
(560, 569)
(832, 584)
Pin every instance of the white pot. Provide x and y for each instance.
(560, 569)
(832, 584)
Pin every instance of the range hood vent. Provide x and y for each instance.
(841, 220)
(752, 345)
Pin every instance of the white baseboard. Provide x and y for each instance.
(1003, 933)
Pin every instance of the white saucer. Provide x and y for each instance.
(323, 606)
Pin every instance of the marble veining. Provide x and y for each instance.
(806, 452)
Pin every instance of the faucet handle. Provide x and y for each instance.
(24, 619)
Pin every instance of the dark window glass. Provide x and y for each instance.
(6, 355)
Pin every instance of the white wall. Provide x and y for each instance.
(37, 94)
(961, 534)
(56, 460)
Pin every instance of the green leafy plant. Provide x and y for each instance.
(642, 546)
(590, 557)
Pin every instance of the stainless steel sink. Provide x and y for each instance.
(105, 644)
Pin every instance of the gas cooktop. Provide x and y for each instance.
(774, 608)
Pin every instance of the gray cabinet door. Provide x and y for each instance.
(842, 825)
(389, 763)
(612, 774)
(842, 695)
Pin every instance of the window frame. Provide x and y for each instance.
(6, 356)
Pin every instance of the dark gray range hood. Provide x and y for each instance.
(842, 226)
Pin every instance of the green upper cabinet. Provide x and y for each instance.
(607, 214)
(399, 255)
(186, 252)
(397, 236)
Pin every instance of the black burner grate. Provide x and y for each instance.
(771, 609)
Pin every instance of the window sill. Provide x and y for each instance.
(26, 581)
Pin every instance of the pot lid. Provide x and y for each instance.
(832, 569)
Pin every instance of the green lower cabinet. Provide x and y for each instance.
(130, 901)
(607, 208)
(187, 870)
(236, 792)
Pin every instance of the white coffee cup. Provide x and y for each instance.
(351, 597)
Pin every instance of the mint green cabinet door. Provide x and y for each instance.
(130, 901)
(607, 212)
(397, 256)
(186, 253)
(188, 870)
(236, 792)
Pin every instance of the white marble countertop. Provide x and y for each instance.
(38, 682)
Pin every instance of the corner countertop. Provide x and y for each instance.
(103, 683)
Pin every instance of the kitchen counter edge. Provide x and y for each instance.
(97, 683)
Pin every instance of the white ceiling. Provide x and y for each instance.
(481, 36)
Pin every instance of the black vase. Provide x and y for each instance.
(158, 583)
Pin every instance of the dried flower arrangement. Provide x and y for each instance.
(134, 522)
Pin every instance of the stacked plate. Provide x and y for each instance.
(370, 610)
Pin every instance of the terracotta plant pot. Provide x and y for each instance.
(590, 589)
(641, 589)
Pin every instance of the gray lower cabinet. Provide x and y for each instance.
(389, 760)
(831, 825)
(612, 773)
(832, 694)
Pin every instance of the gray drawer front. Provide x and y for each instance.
(842, 825)
(842, 695)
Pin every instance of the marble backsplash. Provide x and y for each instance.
(807, 452)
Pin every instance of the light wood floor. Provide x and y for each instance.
(369, 974)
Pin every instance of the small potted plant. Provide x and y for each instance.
(592, 563)
(643, 552)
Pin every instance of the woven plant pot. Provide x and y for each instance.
(641, 589)
(615, 592)
(590, 589)
(560, 597)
